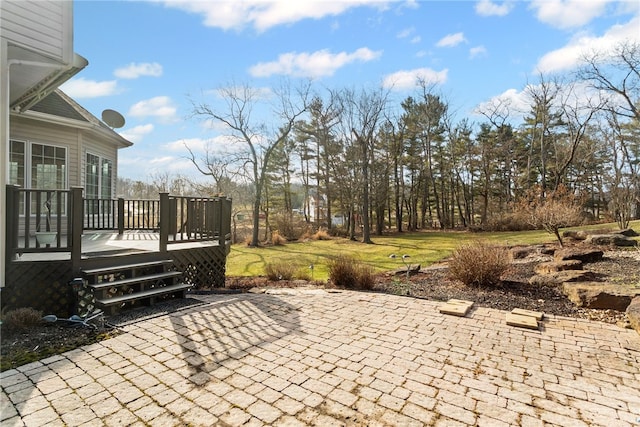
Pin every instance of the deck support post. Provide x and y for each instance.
(120, 216)
(77, 214)
(165, 218)
(13, 216)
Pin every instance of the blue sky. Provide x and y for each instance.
(148, 59)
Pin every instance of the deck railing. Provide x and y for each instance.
(65, 214)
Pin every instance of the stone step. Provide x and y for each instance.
(521, 321)
(456, 307)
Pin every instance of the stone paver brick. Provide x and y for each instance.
(196, 416)
(264, 412)
(43, 417)
(288, 405)
(317, 386)
(240, 398)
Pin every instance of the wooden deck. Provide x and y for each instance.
(110, 243)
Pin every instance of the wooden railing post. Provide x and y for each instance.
(77, 218)
(120, 216)
(165, 218)
(225, 219)
(13, 216)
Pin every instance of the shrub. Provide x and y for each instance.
(21, 319)
(280, 271)
(479, 264)
(289, 226)
(552, 211)
(321, 234)
(346, 272)
(511, 221)
(277, 239)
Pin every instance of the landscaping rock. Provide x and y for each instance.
(520, 252)
(555, 266)
(575, 234)
(413, 269)
(582, 254)
(611, 240)
(633, 313)
(547, 250)
(564, 276)
(628, 232)
(599, 295)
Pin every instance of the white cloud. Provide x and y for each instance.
(478, 51)
(321, 63)
(221, 144)
(160, 107)
(570, 55)
(451, 40)
(406, 33)
(136, 133)
(489, 8)
(410, 79)
(263, 15)
(510, 103)
(416, 39)
(133, 70)
(568, 13)
(82, 88)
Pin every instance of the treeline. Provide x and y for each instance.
(414, 166)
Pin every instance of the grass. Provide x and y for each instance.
(424, 248)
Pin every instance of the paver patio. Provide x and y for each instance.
(347, 358)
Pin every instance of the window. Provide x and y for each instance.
(16, 163)
(107, 173)
(48, 167)
(98, 181)
(92, 177)
(37, 166)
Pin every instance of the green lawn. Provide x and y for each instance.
(424, 248)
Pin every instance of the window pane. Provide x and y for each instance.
(107, 168)
(16, 163)
(48, 169)
(92, 176)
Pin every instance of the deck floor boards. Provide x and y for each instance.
(98, 243)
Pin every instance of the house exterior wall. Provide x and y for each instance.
(23, 129)
(77, 141)
(44, 27)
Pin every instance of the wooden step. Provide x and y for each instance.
(162, 290)
(108, 270)
(136, 280)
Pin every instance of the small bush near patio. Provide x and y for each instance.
(280, 271)
(21, 319)
(349, 273)
(479, 264)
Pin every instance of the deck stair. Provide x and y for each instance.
(129, 285)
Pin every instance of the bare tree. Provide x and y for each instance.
(260, 135)
(363, 113)
(215, 165)
(616, 72)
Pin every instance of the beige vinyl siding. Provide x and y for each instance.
(41, 26)
(49, 134)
